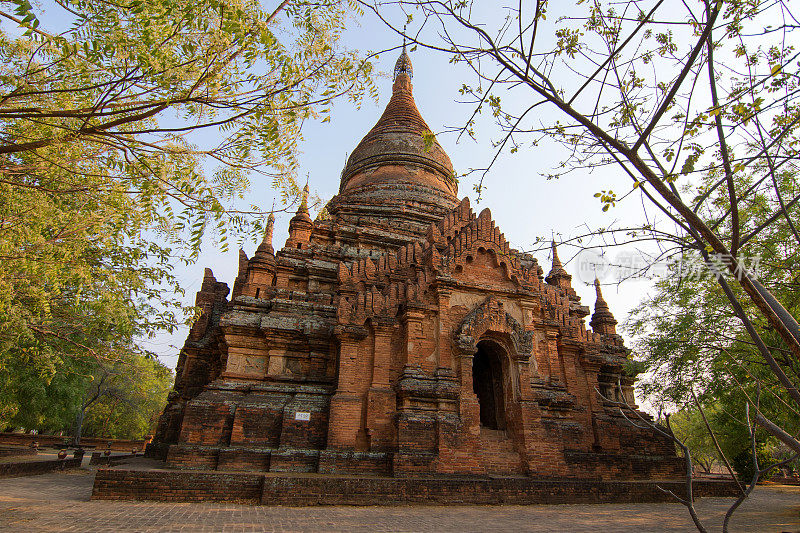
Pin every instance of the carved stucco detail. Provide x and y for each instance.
(490, 316)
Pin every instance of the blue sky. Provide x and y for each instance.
(524, 204)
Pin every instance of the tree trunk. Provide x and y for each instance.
(78, 427)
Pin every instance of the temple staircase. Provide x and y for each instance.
(498, 454)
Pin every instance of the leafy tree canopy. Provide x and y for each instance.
(691, 341)
(111, 399)
(128, 131)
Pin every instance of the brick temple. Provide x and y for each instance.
(402, 335)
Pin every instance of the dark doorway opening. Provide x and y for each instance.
(487, 383)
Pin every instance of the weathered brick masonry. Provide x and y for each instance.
(403, 336)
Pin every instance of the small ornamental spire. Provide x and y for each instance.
(556, 260)
(301, 224)
(208, 280)
(558, 276)
(603, 322)
(304, 202)
(270, 227)
(302, 210)
(266, 243)
(600, 301)
(241, 277)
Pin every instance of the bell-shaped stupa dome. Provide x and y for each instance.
(398, 174)
(401, 136)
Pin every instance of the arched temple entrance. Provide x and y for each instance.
(487, 383)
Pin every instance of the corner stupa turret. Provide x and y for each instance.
(300, 225)
(603, 322)
(558, 276)
(265, 248)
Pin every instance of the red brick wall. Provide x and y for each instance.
(111, 484)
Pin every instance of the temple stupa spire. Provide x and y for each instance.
(266, 243)
(603, 321)
(399, 138)
(303, 209)
(300, 225)
(398, 175)
(558, 276)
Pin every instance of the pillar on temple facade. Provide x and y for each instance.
(381, 398)
(345, 420)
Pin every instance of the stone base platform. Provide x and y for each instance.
(319, 489)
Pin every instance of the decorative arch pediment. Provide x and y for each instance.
(490, 317)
